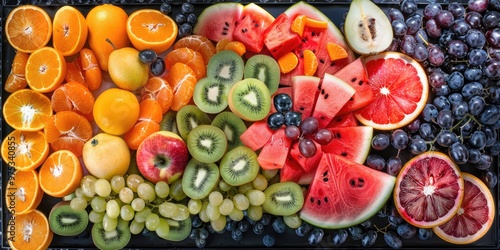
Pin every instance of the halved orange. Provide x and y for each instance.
(158, 89)
(32, 231)
(182, 79)
(26, 110)
(28, 28)
(151, 29)
(72, 96)
(60, 174)
(69, 131)
(45, 69)
(69, 30)
(400, 88)
(197, 43)
(16, 79)
(25, 150)
(23, 193)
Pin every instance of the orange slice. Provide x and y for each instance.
(32, 231)
(313, 23)
(69, 131)
(90, 66)
(151, 29)
(158, 89)
(26, 110)
(310, 62)
(25, 150)
(288, 62)
(182, 79)
(60, 174)
(23, 193)
(72, 96)
(45, 69)
(237, 47)
(74, 72)
(298, 24)
(149, 120)
(221, 45)
(69, 30)
(16, 79)
(28, 28)
(335, 51)
(197, 43)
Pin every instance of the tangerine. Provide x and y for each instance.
(60, 174)
(26, 110)
(45, 69)
(91, 69)
(197, 43)
(151, 29)
(72, 96)
(69, 30)
(69, 131)
(25, 150)
(32, 231)
(24, 191)
(28, 28)
(16, 79)
(189, 57)
(158, 89)
(182, 79)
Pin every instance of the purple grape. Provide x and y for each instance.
(491, 135)
(477, 57)
(395, 14)
(431, 10)
(490, 114)
(491, 19)
(309, 125)
(292, 132)
(444, 18)
(421, 37)
(399, 27)
(477, 140)
(493, 37)
(475, 38)
(393, 165)
(413, 23)
(474, 155)
(455, 80)
(282, 102)
(455, 98)
(458, 153)
(484, 162)
(157, 68)
(477, 5)
(425, 233)
(473, 74)
(407, 45)
(323, 136)
(307, 148)
(459, 110)
(437, 78)
(446, 37)
(380, 142)
(421, 54)
(446, 138)
(436, 56)
(489, 178)
(492, 69)
(409, 7)
(460, 27)
(275, 120)
(375, 161)
(457, 9)
(442, 90)
(474, 19)
(441, 102)
(457, 49)
(433, 29)
(445, 119)
(369, 238)
(293, 118)
(417, 146)
(494, 53)
(413, 126)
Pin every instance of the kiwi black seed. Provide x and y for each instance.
(225, 67)
(178, 230)
(168, 122)
(250, 99)
(199, 179)
(188, 118)
(264, 68)
(239, 166)
(65, 221)
(207, 143)
(115, 239)
(210, 96)
(283, 198)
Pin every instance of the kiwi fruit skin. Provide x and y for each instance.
(264, 68)
(65, 221)
(239, 166)
(225, 67)
(283, 198)
(120, 236)
(233, 127)
(168, 122)
(179, 230)
(206, 143)
(193, 186)
(250, 99)
(188, 118)
(210, 96)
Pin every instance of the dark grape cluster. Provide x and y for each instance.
(156, 63)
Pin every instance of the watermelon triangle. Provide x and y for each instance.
(307, 164)
(256, 135)
(351, 142)
(273, 155)
(305, 91)
(291, 171)
(345, 120)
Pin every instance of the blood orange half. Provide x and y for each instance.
(429, 190)
(400, 89)
(474, 217)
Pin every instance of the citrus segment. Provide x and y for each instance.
(428, 190)
(60, 174)
(221, 45)
(310, 63)
(32, 231)
(116, 111)
(298, 24)
(28, 28)
(335, 51)
(400, 89)
(288, 62)
(74, 72)
(68, 130)
(187, 56)
(90, 66)
(182, 79)
(151, 29)
(474, 217)
(45, 69)
(23, 192)
(237, 47)
(26, 110)
(197, 43)
(72, 96)
(16, 79)
(158, 89)
(150, 116)
(69, 30)
(25, 150)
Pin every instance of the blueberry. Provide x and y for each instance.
(147, 56)
(192, 19)
(266, 219)
(303, 229)
(203, 233)
(166, 8)
(293, 118)
(425, 233)
(180, 18)
(237, 234)
(243, 225)
(369, 238)
(315, 236)
(275, 120)
(187, 8)
(194, 233)
(157, 68)
(230, 225)
(185, 29)
(196, 222)
(282, 103)
(279, 225)
(258, 228)
(339, 237)
(268, 240)
(393, 240)
(200, 243)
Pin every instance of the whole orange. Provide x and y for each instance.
(116, 111)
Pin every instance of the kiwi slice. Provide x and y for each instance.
(239, 166)
(178, 230)
(250, 99)
(283, 198)
(168, 122)
(210, 96)
(206, 143)
(199, 179)
(232, 126)
(115, 239)
(225, 67)
(65, 221)
(188, 118)
(264, 68)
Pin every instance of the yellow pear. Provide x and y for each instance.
(126, 70)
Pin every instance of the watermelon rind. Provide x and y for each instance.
(355, 142)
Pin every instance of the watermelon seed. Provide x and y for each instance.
(357, 183)
(353, 79)
(325, 173)
(361, 82)
(326, 199)
(326, 96)
(325, 179)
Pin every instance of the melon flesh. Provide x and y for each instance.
(217, 22)
(256, 135)
(251, 26)
(273, 155)
(344, 193)
(355, 75)
(305, 91)
(351, 142)
(345, 120)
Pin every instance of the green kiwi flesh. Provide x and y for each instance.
(115, 239)
(179, 230)
(283, 198)
(264, 68)
(199, 179)
(225, 67)
(239, 166)
(206, 143)
(210, 96)
(168, 122)
(188, 118)
(65, 221)
(250, 99)
(233, 127)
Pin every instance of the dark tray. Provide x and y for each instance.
(333, 9)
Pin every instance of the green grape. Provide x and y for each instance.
(241, 202)
(117, 183)
(256, 197)
(203, 212)
(133, 181)
(260, 182)
(136, 227)
(243, 189)
(96, 217)
(219, 224)
(98, 204)
(270, 173)
(215, 198)
(212, 212)
(78, 192)
(226, 206)
(152, 222)
(138, 204)
(292, 221)
(102, 187)
(224, 186)
(168, 209)
(113, 209)
(141, 216)
(255, 212)
(146, 191)
(158, 201)
(182, 213)
(78, 204)
(176, 191)
(236, 215)
(127, 213)
(87, 185)
(109, 224)
(163, 229)
(162, 189)
(194, 206)
(126, 195)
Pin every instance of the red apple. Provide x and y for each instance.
(162, 156)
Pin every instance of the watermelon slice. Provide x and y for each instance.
(351, 142)
(334, 94)
(308, 164)
(279, 39)
(355, 75)
(273, 155)
(291, 171)
(344, 193)
(345, 120)
(217, 21)
(256, 135)
(251, 26)
(305, 91)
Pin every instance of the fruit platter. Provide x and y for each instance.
(243, 124)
